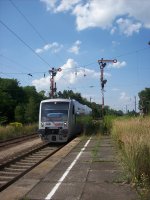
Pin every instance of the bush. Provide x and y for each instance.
(16, 129)
(16, 124)
(107, 123)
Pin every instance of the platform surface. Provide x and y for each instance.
(89, 172)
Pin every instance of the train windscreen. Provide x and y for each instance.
(54, 111)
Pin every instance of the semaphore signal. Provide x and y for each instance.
(102, 63)
(53, 88)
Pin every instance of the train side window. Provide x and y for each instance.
(73, 110)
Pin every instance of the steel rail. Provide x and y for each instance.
(14, 169)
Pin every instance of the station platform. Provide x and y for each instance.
(90, 171)
(84, 169)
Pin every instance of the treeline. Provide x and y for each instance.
(18, 103)
(96, 108)
(144, 102)
(21, 104)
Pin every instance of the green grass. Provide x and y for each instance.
(133, 139)
(15, 130)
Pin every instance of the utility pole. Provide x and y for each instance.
(102, 63)
(135, 103)
(126, 109)
(53, 88)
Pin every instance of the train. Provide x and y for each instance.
(59, 119)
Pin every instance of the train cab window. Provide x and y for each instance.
(73, 110)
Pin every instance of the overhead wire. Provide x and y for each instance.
(19, 38)
(15, 62)
(26, 19)
(31, 25)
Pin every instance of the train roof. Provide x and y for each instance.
(56, 100)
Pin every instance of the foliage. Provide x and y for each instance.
(144, 102)
(132, 136)
(107, 123)
(16, 124)
(17, 103)
(91, 127)
(20, 113)
(96, 108)
(10, 95)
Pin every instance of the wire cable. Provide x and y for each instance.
(26, 19)
(31, 25)
(19, 38)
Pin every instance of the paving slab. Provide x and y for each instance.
(106, 191)
(89, 173)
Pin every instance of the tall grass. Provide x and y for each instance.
(107, 124)
(12, 131)
(133, 138)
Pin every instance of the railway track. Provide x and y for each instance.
(13, 169)
(11, 142)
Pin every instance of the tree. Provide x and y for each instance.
(144, 102)
(20, 113)
(14, 100)
(31, 113)
(10, 95)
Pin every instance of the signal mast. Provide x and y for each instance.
(53, 88)
(102, 63)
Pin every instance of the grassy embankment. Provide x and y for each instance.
(133, 138)
(15, 130)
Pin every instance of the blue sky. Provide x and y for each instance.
(36, 35)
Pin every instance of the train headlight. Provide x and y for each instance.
(65, 124)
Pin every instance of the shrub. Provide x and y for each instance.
(16, 124)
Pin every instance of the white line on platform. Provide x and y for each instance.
(52, 192)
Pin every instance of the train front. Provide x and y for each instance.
(53, 120)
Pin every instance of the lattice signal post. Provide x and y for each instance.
(102, 63)
(53, 88)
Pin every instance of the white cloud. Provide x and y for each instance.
(127, 27)
(53, 47)
(50, 4)
(115, 43)
(124, 97)
(96, 13)
(104, 13)
(66, 5)
(75, 48)
(42, 83)
(117, 65)
(113, 30)
(60, 5)
(70, 75)
(115, 89)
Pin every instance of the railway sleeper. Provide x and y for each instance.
(25, 163)
(3, 183)
(40, 153)
(33, 159)
(6, 178)
(7, 173)
(28, 161)
(16, 166)
(36, 156)
(14, 170)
